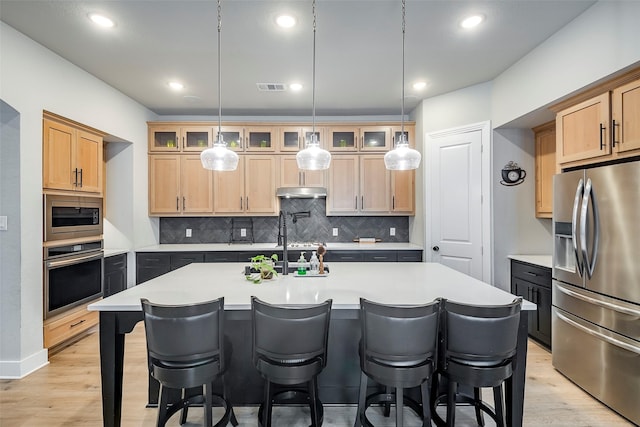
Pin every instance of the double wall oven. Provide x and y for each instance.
(73, 252)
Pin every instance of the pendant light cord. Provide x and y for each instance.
(219, 139)
(402, 111)
(313, 75)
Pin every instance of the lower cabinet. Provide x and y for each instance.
(115, 274)
(533, 283)
(62, 328)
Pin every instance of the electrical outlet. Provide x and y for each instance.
(243, 232)
(188, 233)
(3, 223)
(335, 231)
(392, 231)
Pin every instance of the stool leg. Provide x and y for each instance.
(387, 406)
(313, 402)
(399, 407)
(362, 397)
(162, 407)
(426, 404)
(185, 410)
(232, 418)
(207, 389)
(478, 398)
(451, 403)
(267, 405)
(497, 397)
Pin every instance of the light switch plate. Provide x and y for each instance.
(3, 223)
(188, 233)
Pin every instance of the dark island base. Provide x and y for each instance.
(338, 383)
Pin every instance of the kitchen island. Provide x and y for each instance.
(391, 283)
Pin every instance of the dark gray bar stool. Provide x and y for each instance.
(290, 351)
(478, 350)
(398, 350)
(185, 348)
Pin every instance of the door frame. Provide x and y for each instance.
(487, 217)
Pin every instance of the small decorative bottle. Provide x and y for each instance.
(302, 270)
(314, 263)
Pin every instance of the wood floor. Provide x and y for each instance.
(67, 393)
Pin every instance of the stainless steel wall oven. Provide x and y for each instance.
(71, 217)
(72, 275)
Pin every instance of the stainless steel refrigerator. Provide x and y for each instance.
(596, 283)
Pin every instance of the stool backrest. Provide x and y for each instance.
(290, 334)
(398, 334)
(486, 334)
(184, 334)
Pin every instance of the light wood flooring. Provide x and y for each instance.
(67, 393)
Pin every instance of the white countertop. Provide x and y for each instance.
(112, 252)
(220, 247)
(541, 260)
(391, 283)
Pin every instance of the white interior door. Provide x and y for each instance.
(455, 209)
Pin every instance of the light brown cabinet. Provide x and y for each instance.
(175, 138)
(604, 127)
(375, 138)
(65, 326)
(545, 158)
(361, 185)
(179, 185)
(364, 138)
(72, 158)
(250, 189)
(291, 176)
(294, 138)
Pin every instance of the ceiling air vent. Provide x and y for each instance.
(271, 87)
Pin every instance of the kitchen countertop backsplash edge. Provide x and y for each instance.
(540, 260)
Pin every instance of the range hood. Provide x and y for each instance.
(301, 192)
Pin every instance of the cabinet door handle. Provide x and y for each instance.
(75, 179)
(393, 202)
(184, 203)
(613, 132)
(177, 203)
(356, 202)
(361, 202)
(247, 203)
(80, 177)
(240, 203)
(602, 128)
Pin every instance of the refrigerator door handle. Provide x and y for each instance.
(574, 225)
(605, 304)
(603, 337)
(589, 261)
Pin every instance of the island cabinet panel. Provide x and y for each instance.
(533, 283)
(115, 274)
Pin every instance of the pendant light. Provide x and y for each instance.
(402, 157)
(313, 157)
(219, 157)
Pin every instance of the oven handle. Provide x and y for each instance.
(608, 339)
(72, 261)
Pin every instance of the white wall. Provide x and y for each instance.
(33, 79)
(599, 42)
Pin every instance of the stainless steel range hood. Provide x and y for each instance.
(301, 192)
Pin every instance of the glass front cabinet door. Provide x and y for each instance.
(164, 138)
(343, 139)
(375, 138)
(259, 138)
(196, 138)
(233, 136)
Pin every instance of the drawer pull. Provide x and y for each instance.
(77, 323)
(530, 273)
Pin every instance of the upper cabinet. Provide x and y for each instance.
(292, 176)
(72, 157)
(364, 138)
(249, 190)
(294, 138)
(175, 138)
(606, 126)
(259, 138)
(545, 140)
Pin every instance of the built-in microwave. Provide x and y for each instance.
(71, 217)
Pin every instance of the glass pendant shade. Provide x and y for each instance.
(313, 157)
(402, 157)
(219, 157)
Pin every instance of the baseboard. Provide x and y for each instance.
(16, 369)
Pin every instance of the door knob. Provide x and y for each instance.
(436, 248)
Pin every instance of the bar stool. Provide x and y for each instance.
(185, 349)
(478, 350)
(289, 351)
(397, 350)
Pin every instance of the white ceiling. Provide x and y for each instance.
(358, 59)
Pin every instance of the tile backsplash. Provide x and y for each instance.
(316, 228)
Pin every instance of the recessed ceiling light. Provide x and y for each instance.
(419, 85)
(101, 20)
(472, 21)
(176, 85)
(286, 21)
(295, 87)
